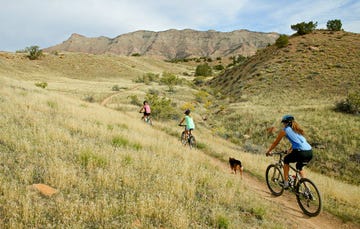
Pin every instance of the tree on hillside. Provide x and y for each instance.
(162, 108)
(334, 25)
(170, 80)
(34, 52)
(304, 28)
(282, 41)
(203, 70)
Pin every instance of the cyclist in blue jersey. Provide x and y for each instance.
(300, 150)
(189, 122)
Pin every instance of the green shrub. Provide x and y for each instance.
(170, 80)
(349, 105)
(239, 59)
(134, 100)
(41, 84)
(219, 67)
(304, 28)
(334, 25)
(153, 91)
(202, 96)
(34, 52)
(282, 41)
(89, 98)
(89, 159)
(203, 70)
(52, 104)
(161, 107)
(222, 222)
(120, 142)
(115, 88)
(147, 78)
(199, 80)
(135, 54)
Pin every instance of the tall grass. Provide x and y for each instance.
(105, 180)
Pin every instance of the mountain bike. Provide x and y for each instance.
(147, 119)
(187, 138)
(307, 194)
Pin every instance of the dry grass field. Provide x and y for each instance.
(111, 170)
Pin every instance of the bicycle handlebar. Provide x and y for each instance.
(281, 153)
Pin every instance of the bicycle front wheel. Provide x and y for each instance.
(274, 179)
(308, 197)
(192, 142)
(183, 138)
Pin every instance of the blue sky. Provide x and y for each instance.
(45, 23)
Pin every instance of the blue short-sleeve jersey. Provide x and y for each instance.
(297, 140)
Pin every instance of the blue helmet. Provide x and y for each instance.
(287, 119)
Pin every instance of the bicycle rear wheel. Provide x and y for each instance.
(183, 138)
(274, 179)
(148, 120)
(192, 142)
(308, 197)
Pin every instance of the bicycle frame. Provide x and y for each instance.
(189, 138)
(146, 119)
(280, 163)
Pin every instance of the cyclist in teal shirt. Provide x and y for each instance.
(189, 122)
(300, 151)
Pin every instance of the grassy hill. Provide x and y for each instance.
(307, 79)
(113, 171)
(313, 66)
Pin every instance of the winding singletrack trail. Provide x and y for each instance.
(107, 99)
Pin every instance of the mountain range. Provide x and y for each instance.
(171, 44)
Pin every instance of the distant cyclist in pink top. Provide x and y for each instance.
(147, 111)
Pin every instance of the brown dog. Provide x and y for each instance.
(236, 165)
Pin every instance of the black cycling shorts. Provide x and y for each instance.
(299, 156)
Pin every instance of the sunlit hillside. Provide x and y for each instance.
(314, 66)
(85, 66)
(111, 170)
(307, 78)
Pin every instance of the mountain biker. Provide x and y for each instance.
(300, 150)
(146, 110)
(189, 122)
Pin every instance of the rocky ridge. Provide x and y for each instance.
(171, 44)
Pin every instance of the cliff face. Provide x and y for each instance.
(172, 44)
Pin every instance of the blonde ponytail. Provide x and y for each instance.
(296, 127)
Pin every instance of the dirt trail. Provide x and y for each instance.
(107, 99)
(291, 210)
